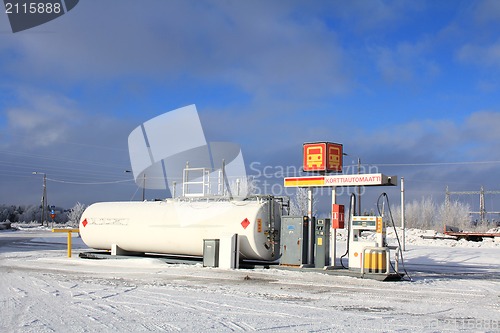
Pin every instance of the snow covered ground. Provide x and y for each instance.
(456, 287)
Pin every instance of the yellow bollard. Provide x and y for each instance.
(69, 231)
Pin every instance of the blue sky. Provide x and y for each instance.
(411, 87)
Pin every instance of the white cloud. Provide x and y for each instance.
(42, 120)
(487, 11)
(484, 55)
(484, 126)
(406, 62)
(256, 46)
(475, 138)
(368, 16)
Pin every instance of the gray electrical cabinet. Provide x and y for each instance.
(211, 253)
(322, 243)
(294, 240)
(229, 251)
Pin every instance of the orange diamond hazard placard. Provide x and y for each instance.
(245, 223)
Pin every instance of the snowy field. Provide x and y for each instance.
(456, 287)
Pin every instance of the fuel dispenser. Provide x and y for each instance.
(322, 243)
(367, 245)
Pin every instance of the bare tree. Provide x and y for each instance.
(252, 186)
(455, 214)
(75, 214)
(298, 204)
(426, 214)
(243, 187)
(30, 213)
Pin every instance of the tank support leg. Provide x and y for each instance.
(118, 251)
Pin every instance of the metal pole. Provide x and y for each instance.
(358, 188)
(223, 169)
(333, 233)
(45, 198)
(69, 244)
(43, 205)
(482, 210)
(143, 186)
(403, 211)
(310, 245)
(447, 219)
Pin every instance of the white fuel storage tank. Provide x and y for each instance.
(179, 227)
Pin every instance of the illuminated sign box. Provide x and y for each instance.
(322, 156)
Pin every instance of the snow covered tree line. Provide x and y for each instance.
(31, 213)
(426, 214)
(423, 214)
(420, 214)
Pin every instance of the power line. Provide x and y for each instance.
(90, 183)
(435, 163)
(59, 159)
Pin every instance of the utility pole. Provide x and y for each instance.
(482, 210)
(143, 186)
(44, 196)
